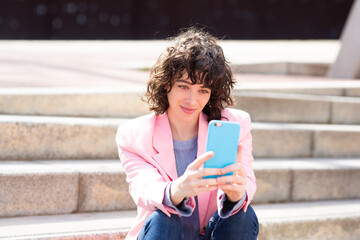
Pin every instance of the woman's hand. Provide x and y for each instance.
(234, 185)
(191, 183)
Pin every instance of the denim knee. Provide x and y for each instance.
(159, 226)
(240, 226)
(250, 219)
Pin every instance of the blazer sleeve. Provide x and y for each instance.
(146, 184)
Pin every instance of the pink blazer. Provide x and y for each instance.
(145, 147)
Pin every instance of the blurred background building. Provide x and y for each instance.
(158, 19)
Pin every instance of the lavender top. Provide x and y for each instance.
(185, 153)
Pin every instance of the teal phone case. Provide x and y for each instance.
(222, 139)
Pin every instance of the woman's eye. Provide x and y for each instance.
(204, 91)
(183, 87)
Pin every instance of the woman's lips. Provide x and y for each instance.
(188, 110)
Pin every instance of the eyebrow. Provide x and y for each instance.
(189, 83)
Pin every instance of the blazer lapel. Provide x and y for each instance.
(163, 144)
(203, 198)
(202, 134)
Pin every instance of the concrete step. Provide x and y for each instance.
(298, 108)
(59, 187)
(80, 226)
(310, 220)
(293, 180)
(126, 102)
(62, 187)
(83, 102)
(305, 140)
(34, 137)
(298, 84)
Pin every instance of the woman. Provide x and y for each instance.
(163, 153)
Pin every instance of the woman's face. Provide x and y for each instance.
(187, 100)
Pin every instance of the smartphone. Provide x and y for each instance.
(223, 140)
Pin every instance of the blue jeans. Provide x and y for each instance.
(240, 226)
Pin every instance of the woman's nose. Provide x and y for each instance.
(191, 97)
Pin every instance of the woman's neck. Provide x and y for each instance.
(183, 131)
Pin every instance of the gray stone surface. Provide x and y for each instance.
(297, 90)
(34, 189)
(332, 229)
(308, 69)
(106, 102)
(311, 220)
(269, 68)
(80, 226)
(102, 184)
(337, 143)
(273, 186)
(269, 142)
(87, 138)
(57, 138)
(346, 112)
(270, 107)
(322, 184)
(44, 187)
(354, 92)
(284, 180)
(104, 192)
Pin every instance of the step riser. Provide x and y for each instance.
(86, 236)
(104, 192)
(269, 143)
(57, 141)
(341, 228)
(86, 190)
(58, 193)
(284, 110)
(284, 68)
(289, 108)
(42, 140)
(355, 92)
(35, 194)
(312, 220)
(306, 185)
(344, 229)
(128, 104)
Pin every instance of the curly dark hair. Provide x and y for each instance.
(196, 52)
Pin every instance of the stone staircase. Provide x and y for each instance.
(60, 177)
